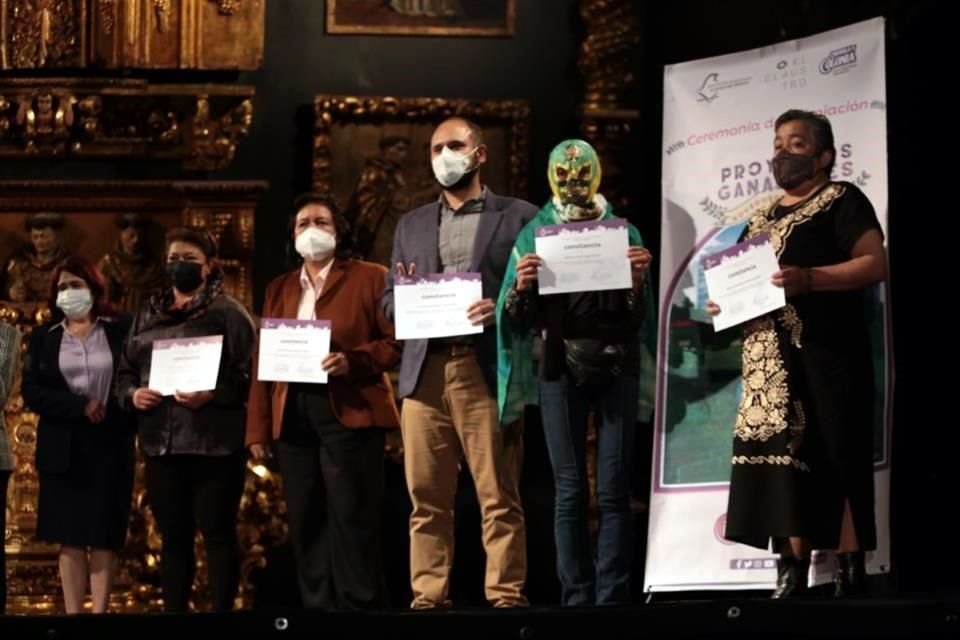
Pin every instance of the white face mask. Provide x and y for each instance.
(450, 166)
(75, 303)
(315, 244)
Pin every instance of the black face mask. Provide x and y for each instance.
(791, 170)
(186, 276)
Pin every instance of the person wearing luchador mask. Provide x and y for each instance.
(590, 363)
(802, 472)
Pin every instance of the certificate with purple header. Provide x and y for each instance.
(292, 350)
(583, 256)
(435, 305)
(739, 281)
(185, 364)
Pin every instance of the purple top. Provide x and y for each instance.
(87, 365)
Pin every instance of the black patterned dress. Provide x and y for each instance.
(803, 440)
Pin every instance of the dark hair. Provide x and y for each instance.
(341, 225)
(135, 220)
(198, 237)
(44, 221)
(475, 130)
(89, 273)
(388, 141)
(819, 127)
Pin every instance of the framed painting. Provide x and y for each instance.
(422, 17)
(373, 154)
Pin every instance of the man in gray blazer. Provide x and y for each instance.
(449, 385)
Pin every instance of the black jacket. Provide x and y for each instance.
(215, 429)
(61, 411)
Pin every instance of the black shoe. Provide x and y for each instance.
(850, 576)
(791, 577)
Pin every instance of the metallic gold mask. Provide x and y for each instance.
(574, 173)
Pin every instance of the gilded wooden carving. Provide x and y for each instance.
(372, 153)
(227, 209)
(215, 138)
(178, 34)
(132, 34)
(37, 34)
(608, 115)
(198, 124)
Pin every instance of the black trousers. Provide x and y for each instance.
(333, 486)
(4, 479)
(187, 491)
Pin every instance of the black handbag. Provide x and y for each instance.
(594, 362)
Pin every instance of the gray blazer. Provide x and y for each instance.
(416, 240)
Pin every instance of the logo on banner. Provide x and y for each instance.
(753, 563)
(711, 87)
(789, 73)
(839, 59)
(720, 529)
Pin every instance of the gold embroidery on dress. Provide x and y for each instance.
(781, 229)
(781, 460)
(763, 404)
(792, 323)
(765, 400)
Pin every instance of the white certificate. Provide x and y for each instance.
(435, 305)
(583, 256)
(185, 364)
(739, 281)
(292, 350)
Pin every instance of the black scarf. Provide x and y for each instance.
(161, 304)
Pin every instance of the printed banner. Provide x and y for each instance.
(718, 135)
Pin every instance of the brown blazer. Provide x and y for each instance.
(351, 301)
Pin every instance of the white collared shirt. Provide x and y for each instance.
(310, 292)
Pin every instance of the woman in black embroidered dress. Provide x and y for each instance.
(802, 472)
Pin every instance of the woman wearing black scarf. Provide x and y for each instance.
(192, 442)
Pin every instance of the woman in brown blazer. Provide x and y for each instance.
(330, 437)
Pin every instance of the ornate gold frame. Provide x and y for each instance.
(201, 125)
(332, 110)
(360, 29)
(132, 34)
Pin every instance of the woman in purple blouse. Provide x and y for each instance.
(84, 440)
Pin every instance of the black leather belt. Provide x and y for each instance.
(452, 350)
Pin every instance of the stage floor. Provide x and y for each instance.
(816, 618)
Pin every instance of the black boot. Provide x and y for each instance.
(850, 576)
(791, 577)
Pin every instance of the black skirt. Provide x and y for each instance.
(89, 504)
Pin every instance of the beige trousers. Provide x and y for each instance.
(452, 416)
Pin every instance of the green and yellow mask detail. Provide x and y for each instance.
(574, 174)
